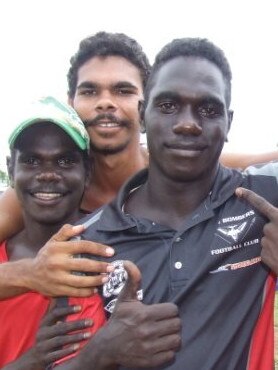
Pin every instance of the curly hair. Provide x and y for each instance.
(107, 44)
(193, 47)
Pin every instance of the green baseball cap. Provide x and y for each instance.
(49, 109)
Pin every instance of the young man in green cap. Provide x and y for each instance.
(48, 169)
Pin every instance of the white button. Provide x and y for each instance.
(153, 223)
(178, 239)
(178, 265)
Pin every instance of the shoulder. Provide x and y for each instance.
(264, 169)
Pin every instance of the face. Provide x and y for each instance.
(187, 119)
(48, 174)
(107, 96)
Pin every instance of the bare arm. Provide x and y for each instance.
(243, 160)
(50, 272)
(11, 220)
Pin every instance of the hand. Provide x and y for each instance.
(50, 272)
(136, 335)
(52, 336)
(269, 241)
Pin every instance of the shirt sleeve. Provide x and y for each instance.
(266, 169)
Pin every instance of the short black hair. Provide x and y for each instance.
(106, 44)
(193, 47)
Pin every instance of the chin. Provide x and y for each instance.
(108, 149)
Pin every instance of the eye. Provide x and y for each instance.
(31, 161)
(66, 161)
(124, 91)
(88, 92)
(167, 107)
(210, 110)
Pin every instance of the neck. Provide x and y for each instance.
(34, 236)
(166, 201)
(109, 172)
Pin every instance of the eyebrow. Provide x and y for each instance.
(212, 100)
(125, 84)
(92, 85)
(177, 97)
(167, 95)
(86, 85)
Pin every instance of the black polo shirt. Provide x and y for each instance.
(211, 269)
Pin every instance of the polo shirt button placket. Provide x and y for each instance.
(178, 265)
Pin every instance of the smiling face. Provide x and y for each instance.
(48, 174)
(186, 119)
(106, 99)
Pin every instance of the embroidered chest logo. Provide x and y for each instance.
(116, 282)
(233, 231)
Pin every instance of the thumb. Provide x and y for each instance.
(67, 232)
(129, 292)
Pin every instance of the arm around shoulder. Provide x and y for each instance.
(243, 160)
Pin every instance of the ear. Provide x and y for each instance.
(141, 109)
(230, 119)
(10, 169)
(70, 101)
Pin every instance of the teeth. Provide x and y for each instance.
(108, 124)
(47, 196)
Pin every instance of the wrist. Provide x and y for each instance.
(23, 276)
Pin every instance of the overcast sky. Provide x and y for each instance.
(37, 39)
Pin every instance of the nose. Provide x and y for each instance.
(106, 103)
(187, 124)
(48, 176)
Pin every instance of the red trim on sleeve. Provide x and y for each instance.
(261, 356)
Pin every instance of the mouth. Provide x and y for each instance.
(107, 124)
(186, 150)
(186, 146)
(104, 121)
(46, 196)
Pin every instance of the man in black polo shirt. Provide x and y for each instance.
(196, 243)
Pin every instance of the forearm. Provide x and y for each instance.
(14, 278)
(244, 160)
(11, 220)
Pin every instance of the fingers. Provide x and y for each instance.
(58, 313)
(61, 353)
(132, 284)
(85, 246)
(53, 327)
(61, 339)
(258, 202)
(80, 246)
(158, 359)
(88, 265)
(62, 328)
(66, 232)
(162, 311)
(168, 342)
